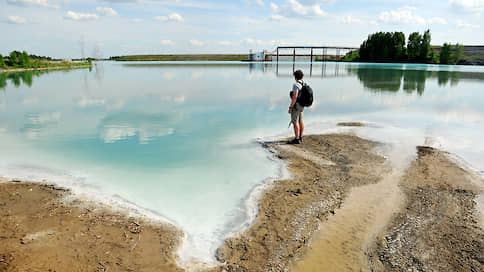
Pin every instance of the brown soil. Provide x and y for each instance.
(438, 227)
(291, 210)
(40, 232)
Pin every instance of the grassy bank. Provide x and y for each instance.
(194, 57)
(23, 61)
(47, 66)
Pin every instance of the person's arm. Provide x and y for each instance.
(293, 100)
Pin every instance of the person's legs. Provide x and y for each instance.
(301, 125)
(301, 129)
(296, 116)
(296, 130)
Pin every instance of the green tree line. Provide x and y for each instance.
(391, 47)
(17, 59)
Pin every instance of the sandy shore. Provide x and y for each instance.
(39, 231)
(430, 223)
(44, 68)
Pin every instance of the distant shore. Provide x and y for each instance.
(187, 57)
(45, 68)
(436, 202)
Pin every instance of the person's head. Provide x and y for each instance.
(298, 75)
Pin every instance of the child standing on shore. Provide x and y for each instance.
(295, 109)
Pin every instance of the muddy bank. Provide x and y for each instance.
(438, 227)
(41, 232)
(324, 169)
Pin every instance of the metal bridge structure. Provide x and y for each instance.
(313, 52)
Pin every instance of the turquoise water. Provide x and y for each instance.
(179, 140)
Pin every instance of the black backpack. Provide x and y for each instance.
(305, 99)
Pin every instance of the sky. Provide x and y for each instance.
(103, 28)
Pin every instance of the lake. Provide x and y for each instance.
(178, 141)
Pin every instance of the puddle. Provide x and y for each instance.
(341, 241)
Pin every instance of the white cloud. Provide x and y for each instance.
(316, 9)
(462, 115)
(106, 11)
(196, 42)
(258, 3)
(295, 8)
(40, 124)
(146, 132)
(115, 105)
(44, 118)
(30, 100)
(462, 24)
(403, 15)
(276, 17)
(470, 6)
(169, 75)
(174, 17)
(225, 43)
(274, 7)
(17, 20)
(166, 42)
(136, 20)
(195, 75)
(77, 16)
(42, 3)
(252, 42)
(89, 101)
(437, 20)
(348, 19)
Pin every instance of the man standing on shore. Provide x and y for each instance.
(295, 109)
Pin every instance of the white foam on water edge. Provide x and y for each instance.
(246, 213)
(81, 190)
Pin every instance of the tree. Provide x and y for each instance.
(383, 46)
(2, 63)
(445, 54)
(458, 53)
(425, 47)
(398, 51)
(24, 60)
(13, 58)
(3, 80)
(413, 46)
(352, 56)
(433, 57)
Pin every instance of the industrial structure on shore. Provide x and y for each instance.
(305, 53)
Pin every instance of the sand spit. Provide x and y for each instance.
(347, 209)
(41, 232)
(291, 210)
(438, 227)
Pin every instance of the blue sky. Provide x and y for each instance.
(70, 28)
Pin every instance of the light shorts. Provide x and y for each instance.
(297, 113)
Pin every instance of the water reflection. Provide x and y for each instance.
(146, 127)
(17, 78)
(390, 80)
(316, 69)
(386, 78)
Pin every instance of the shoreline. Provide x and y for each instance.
(46, 229)
(290, 214)
(44, 68)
